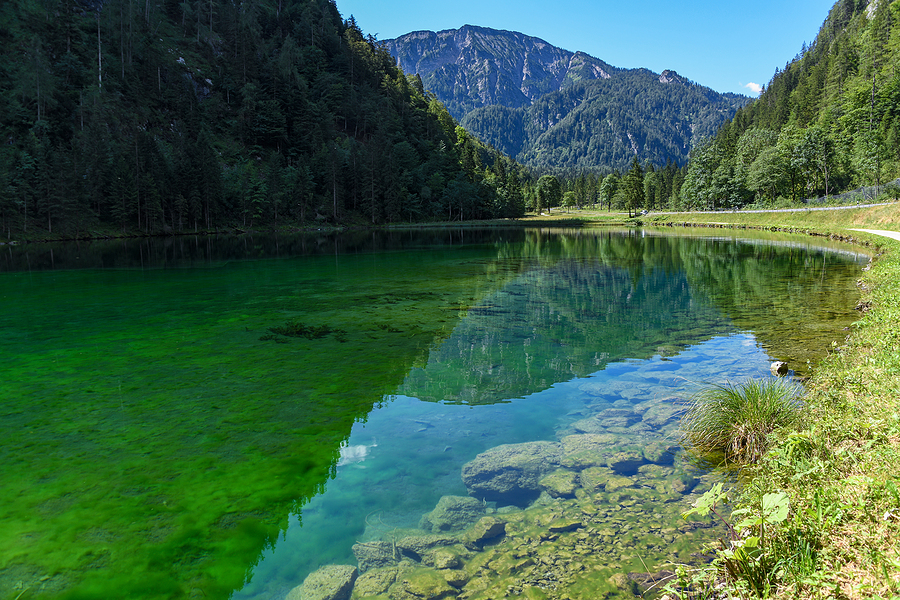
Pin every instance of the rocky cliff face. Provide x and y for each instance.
(473, 67)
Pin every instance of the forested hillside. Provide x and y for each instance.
(170, 116)
(828, 122)
(558, 110)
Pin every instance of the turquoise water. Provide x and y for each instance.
(165, 437)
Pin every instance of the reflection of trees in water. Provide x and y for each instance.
(587, 298)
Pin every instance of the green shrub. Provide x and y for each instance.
(731, 423)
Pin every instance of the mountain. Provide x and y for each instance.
(828, 122)
(158, 117)
(552, 108)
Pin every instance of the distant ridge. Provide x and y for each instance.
(557, 109)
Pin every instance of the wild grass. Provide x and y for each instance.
(734, 421)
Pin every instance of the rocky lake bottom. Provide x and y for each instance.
(593, 510)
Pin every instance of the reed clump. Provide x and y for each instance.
(732, 422)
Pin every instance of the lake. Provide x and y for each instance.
(459, 413)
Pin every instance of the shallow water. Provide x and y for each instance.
(164, 438)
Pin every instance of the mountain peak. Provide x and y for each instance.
(669, 76)
(550, 107)
(475, 66)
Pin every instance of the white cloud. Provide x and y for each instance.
(754, 87)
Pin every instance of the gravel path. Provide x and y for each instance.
(891, 234)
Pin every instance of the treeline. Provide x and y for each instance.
(642, 186)
(828, 122)
(170, 116)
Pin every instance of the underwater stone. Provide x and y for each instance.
(651, 581)
(422, 584)
(682, 484)
(662, 414)
(617, 482)
(595, 478)
(374, 555)
(779, 369)
(562, 525)
(661, 453)
(455, 577)
(333, 582)
(587, 450)
(621, 582)
(415, 546)
(486, 529)
(621, 422)
(442, 558)
(511, 473)
(560, 484)
(626, 462)
(655, 471)
(617, 417)
(589, 425)
(452, 513)
(375, 582)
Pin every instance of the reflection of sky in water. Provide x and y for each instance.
(409, 453)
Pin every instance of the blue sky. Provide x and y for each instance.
(723, 45)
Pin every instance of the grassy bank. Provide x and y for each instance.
(841, 469)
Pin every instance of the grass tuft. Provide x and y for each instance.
(732, 422)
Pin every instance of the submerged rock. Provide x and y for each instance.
(595, 478)
(442, 558)
(589, 425)
(626, 462)
(422, 584)
(511, 473)
(779, 369)
(452, 513)
(660, 415)
(582, 451)
(374, 555)
(560, 483)
(333, 582)
(375, 582)
(485, 530)
(561, 525)
(416, 546)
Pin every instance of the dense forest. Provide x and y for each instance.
(168, 116)
(828, 122)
